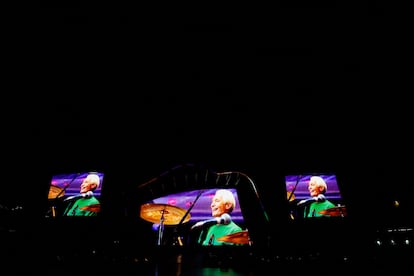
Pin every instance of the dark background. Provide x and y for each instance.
(265, 90)
(259, 89)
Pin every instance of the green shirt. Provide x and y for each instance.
(315, 207)
(75, 209)
(217, 231)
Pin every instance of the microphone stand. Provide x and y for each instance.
(292, 193)
(161, 228)
(61, 192)
(180, 242)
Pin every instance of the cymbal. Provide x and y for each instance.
(241, 237)
(93, 207)
(339, 211)
(290, 196)
(172, 215)
(55, 192)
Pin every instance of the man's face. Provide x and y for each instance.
(314, 189)
(88, 184)
(218, 206)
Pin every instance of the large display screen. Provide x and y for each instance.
(314, 195)
(204, 217)
(75, 194)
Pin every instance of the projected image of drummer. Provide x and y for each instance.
(312, 196)
(75, 194)
(208, 217)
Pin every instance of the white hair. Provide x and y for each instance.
(227, 197)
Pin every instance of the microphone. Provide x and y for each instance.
(223, 219)
(88, 194)
(318, 198)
